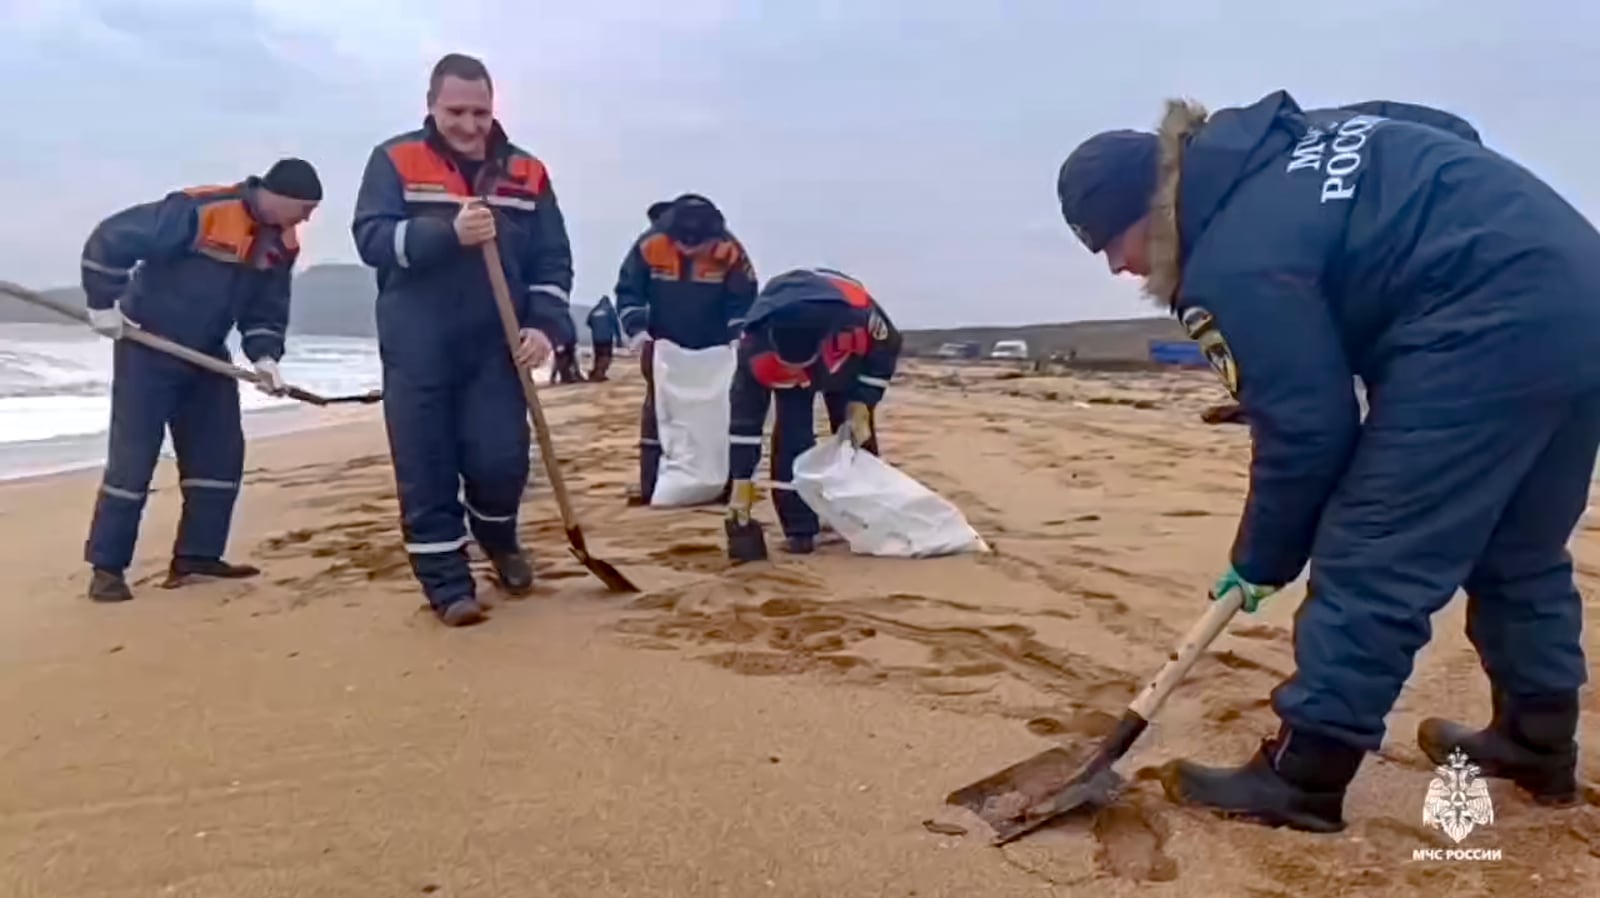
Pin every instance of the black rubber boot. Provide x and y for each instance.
(1530, 740)
(1296, 780)
(515, 573)
(108, 586)
(800, 545)
(184, 566)
(462, 613)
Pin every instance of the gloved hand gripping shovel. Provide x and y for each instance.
(1029, 794)
(178, 350)
(609, 575)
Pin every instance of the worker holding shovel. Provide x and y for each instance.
(809, 331)
(189, 267)
(430, 202)
(1300, 248)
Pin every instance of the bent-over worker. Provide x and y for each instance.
(809, 332)
(1384, 241)
(189, 267)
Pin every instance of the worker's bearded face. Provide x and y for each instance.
(463, 112)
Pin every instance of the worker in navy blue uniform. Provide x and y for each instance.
(809, 332)
(189, 267)
(604, 333)
(686, 280)
(1302, 249)
(453, 403)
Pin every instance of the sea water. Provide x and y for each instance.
(55, 399)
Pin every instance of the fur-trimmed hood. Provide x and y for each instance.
(1182, 119)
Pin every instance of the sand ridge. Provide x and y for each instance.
(783, 728)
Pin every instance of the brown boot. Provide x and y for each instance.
(462, 613)
(183, 567)
(108, 586)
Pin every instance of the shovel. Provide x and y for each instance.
(609, 575)
(133, 332)
(1029, 794)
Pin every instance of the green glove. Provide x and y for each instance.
(1251, 594)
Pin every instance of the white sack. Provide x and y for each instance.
(875, 507)
(692, 412)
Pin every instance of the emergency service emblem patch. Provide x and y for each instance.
(877, 327)
(1202, 328)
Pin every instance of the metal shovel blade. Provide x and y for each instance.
(603, 570)
(1027, 795)
(746, 541)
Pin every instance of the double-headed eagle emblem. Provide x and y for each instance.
(1458, 798)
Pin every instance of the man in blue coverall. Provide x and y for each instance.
(687, 280)
(189, 267)
(604, 332)
(1382, 240)
(457, 420)
(809, 331)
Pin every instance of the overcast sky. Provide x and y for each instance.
(912, 143)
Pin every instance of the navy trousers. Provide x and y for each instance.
(1485, 502)
(460, 440)
(152, 394)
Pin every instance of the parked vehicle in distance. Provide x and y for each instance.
(959, 351)
(1009, 349)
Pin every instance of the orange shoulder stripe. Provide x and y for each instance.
(529, 172)
(854, 293)
(226, 231)
(662, 257)
(420, 166)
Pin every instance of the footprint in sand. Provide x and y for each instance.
(1131, 841)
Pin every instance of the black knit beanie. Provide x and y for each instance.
(293, 178)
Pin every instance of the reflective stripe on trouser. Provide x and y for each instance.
(649, 437)
(1487, 502)
(483, 459)
(150, 393)
(794, 432)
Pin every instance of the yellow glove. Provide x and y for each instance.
(740, 498)
(860, 423)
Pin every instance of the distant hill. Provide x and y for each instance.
(1119, 340)
(329, 301)
(338, 300)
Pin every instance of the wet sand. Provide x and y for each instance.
(774, 729)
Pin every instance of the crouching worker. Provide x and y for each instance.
(809, 331)
(1299, 248)
(189, 267)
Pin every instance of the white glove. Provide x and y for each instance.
(637, 341)
(269, 379)
(108, 322)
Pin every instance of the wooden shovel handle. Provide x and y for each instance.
(508, 321)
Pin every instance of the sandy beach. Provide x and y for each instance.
(779, 729)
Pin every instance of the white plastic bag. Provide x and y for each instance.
(875, 507)
(692, 411)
